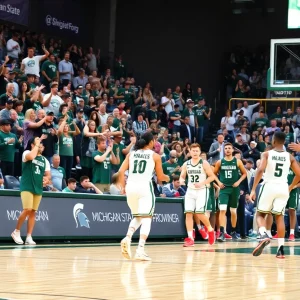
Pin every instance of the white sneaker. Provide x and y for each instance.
(30, 241)
(141, 255)
(17, 237)
(125, 248)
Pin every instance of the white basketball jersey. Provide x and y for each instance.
(195, 173)
(278, 167)
(141, 166)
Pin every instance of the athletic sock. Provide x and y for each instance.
(262, 230)
(141, 244)
(222, 229)
(199, 226)
(17, 230)
(292, 231)
(190, 234)
(280, 242)
(269, 233)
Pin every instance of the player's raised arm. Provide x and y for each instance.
(216, 171)
(296, 169)
(183, 174)
(158, 169)
(243, 171)
(259, 173)
(124, 167)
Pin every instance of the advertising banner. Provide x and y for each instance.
(15, 11)
(59, 217)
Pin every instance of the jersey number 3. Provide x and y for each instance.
(139, 166)
(278, 170)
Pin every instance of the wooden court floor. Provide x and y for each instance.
(97, 271)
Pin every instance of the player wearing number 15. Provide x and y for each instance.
(139, 191)
(228, 169)
(35, 174)
(199, 175)
(274, 193)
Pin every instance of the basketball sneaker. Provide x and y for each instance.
(140, 254)
(217, 234)
(17, 237)
(203, 233)
(275, 236)
(292, 238)
(280, 253)
(211, 237)
(265, 241)
(221, 237)
(125, 248)
(188, 242)
(30, 241)
(227, 236)
(235, 236)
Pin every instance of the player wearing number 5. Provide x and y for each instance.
(102, 160)
(229, 169)
(139, 191)
(199, 175)
(35, 175)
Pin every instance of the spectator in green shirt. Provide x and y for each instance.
(49, 71)
(127, 94)
(18, 106)
(277, 115)
(201, 111)
(171, 166)
(71, 186)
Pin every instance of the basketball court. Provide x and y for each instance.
(98, 271)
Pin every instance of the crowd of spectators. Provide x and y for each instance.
(89, 120)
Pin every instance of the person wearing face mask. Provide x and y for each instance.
(171, 166)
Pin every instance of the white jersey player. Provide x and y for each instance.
(274, 193)
(199, 175)
(141, 163)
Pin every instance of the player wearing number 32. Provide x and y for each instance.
(229, 169)
(35, 175)
(274, 193)
(139, 191)
(199, 176)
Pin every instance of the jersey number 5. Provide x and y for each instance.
(139, 166)
(278, 170)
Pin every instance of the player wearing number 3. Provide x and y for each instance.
(229, 169)
(199, 175)
(35, 175)
(139, 191)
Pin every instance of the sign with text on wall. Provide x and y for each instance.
(14, 11)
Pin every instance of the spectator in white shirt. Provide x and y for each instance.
(168, 102)
(102, 113)
(52, 101)
(13, 47)
(31, 64)
(228, 121)
(248, 109)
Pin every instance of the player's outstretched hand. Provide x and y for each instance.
(252, 196)
(295, 147)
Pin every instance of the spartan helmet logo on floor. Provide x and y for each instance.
(80, 217)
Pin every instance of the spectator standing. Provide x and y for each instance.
(174, 119)
(92, 59)
(216, 150)
(253, 153)
(31, 64)
(248, 109)
(52, 101)
(49, 71)
(5, 112)
(272, 129)
(201, 112)
(81, 79)
(13, 47)
(171, 167)
(8, 144)
(102, 160)
(187, 131)
(11, 79)
(189, 112)
(173, 189)
(66, 145)
(240, 144)
(3, 77)
(58, 174)
(177, 96)
(70, 188)
(9, 95)
(139, 127)
(187, 93)
(168, 102)
(65, 69)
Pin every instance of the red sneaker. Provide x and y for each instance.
(275, 236)
(292, 238)
(218, 234)
(203, 233)
(194, 234)
(211, 237)
(188, 242)
(227, 236)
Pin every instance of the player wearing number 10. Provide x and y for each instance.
(228, 168)
(274, 193)
(35, 173)
(139, 191)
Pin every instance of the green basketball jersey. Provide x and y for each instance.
(291, 176)
(229, 172)
(101, 171)
(32, 175)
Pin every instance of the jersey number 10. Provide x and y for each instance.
(139, 166)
